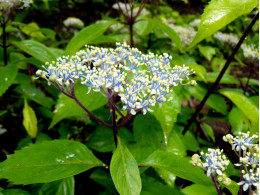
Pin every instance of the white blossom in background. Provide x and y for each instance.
(141, 80)
(250, 51)
(195, 23)
(126, 7)
(73, 22)
(8, 4)
(185, 33)
(224, 38)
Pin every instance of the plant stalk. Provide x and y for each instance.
(214, 86)
(215, 184)
(4, 42)
(241, 179)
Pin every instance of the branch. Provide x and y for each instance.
(214, 86)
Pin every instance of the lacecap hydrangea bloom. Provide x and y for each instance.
(242, 141)
(140, 80)
(225, 38)
(247, 150)
(213, 161)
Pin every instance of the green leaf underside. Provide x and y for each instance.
(48, 161)
(124, 171)
(85, 36)
(64, 186)
(7, 76)
(245, 105)
(218, 14)
(170, 32)
(67, 107)
(29, 120)
(36, 50)
(178, 166)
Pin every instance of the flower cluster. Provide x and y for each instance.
(250, 51)
(139, 80)
(226, 38)
(248, 154)
(215, 162)
(195, 23)
(186, 34)
(74, 22)
(249, 179)
(242, 141)
(224, 179)
(7, 5)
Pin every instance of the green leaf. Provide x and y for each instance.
(85, 36)
(7, 76)
(102, 139)
(167, 115)
(218, 14)
(154, 187)
(238, 121)
(143, 28)
(32, 29)
(215, 101)
(175, 144)
(250, 82)
(207, 51)
(233, 187)
(102, 177)
(148, 136)
(48, 161)
(170, 32)
(124, 171)
(190, 142)
(226, 79)
(36, 50)
(167, 176)
(209, 131)
(199, 70)
(34, 94)
(67, 107)
(64, 186)
(14, 192)
(29, 120)
(255, 100)
(178, 166)
(198, 189)
(245, 105)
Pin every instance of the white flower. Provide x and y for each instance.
(72, 21)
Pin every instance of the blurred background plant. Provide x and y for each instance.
(33, 33)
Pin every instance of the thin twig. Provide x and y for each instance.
(214, 86)
(86, 110)
(215, 184)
